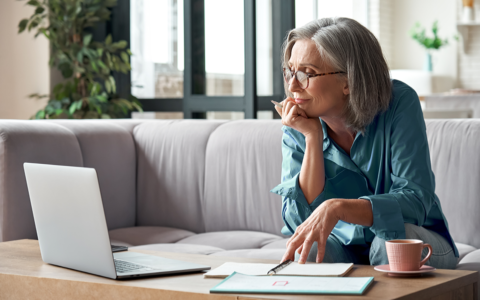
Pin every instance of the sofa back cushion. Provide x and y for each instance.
(108, 147)
(171, 172)
(243, 162)
(455, 155)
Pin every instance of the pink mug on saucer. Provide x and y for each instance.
(406, 255)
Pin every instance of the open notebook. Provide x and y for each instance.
(293, 269)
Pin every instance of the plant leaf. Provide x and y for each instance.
(124, 57)
(33, 3)
(87, 39)
(39, 10)
(22, 25)
(73, 108)
(108, 87)
(114, 86)
(108, 40)
(94, 66)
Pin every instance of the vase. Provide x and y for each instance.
(428, 62)
(467, 14)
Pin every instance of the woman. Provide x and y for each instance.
(356, 166)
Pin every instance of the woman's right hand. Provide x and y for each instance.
(295, 117)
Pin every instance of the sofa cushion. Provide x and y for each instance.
(35, 142)
(472, 257)
(180, 248)
(231, 240)
(109, 149)
(243, 162)
(280, 244)
(171, 172)
(275, 254)
(464, 249)
(454, 146)
(143, 235)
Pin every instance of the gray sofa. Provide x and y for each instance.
(199, 186)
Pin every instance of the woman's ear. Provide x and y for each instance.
(346, 89)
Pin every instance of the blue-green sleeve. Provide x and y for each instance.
(295, 207)
(411, 194)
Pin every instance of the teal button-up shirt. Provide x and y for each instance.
(389, 166)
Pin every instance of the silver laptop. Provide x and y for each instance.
(72, 231)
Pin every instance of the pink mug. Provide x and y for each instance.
(406, 255)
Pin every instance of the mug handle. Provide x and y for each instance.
(428, 255)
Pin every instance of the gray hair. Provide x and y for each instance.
(349, 47)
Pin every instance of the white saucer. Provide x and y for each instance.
(386, 269)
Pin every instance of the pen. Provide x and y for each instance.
(277, 104)
(279, 267)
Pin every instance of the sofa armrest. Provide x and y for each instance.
(35, 142)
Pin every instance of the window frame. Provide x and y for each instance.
(194, 104)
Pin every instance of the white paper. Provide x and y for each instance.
(333, 285)
(249, 269)
(322, 269)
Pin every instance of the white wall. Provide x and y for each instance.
(23, 64)
(409, 54)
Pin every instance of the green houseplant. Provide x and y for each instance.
(430, 43)
(89, 89)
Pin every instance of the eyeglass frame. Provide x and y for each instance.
(308, 76)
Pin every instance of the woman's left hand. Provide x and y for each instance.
(316, 228)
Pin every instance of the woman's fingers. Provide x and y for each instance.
(299, 250)
(321, 251)
(279, 110)
(307, 245)
(301, 112)
(292, 246)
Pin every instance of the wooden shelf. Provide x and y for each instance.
(464, 28)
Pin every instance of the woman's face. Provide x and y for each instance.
(325, 96)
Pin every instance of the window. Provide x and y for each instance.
(308, 10)
(205, 58)
(156, 31)
(224, 47)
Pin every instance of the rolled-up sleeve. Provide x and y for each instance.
(295, 207)
(411, 194)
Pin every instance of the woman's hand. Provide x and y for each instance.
(295, 117)
(316, 228)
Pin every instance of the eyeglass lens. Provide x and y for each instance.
(302, 78)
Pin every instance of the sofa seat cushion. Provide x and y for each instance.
(472, 257)
(143, 235)
(232, 240)
(275, 254)
(180, 248)
(464, 249)
(280, 244)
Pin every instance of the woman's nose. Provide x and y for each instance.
(294, 86)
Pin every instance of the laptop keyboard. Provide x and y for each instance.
(126, 267)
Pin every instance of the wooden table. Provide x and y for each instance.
(23, 275)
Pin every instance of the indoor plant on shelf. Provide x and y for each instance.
(89, 89)
(430, 43)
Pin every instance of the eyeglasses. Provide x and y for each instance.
(301, 77)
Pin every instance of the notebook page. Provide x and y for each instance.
(228, 268)
(322, 269)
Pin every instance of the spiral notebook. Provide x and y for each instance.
(290, 268)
